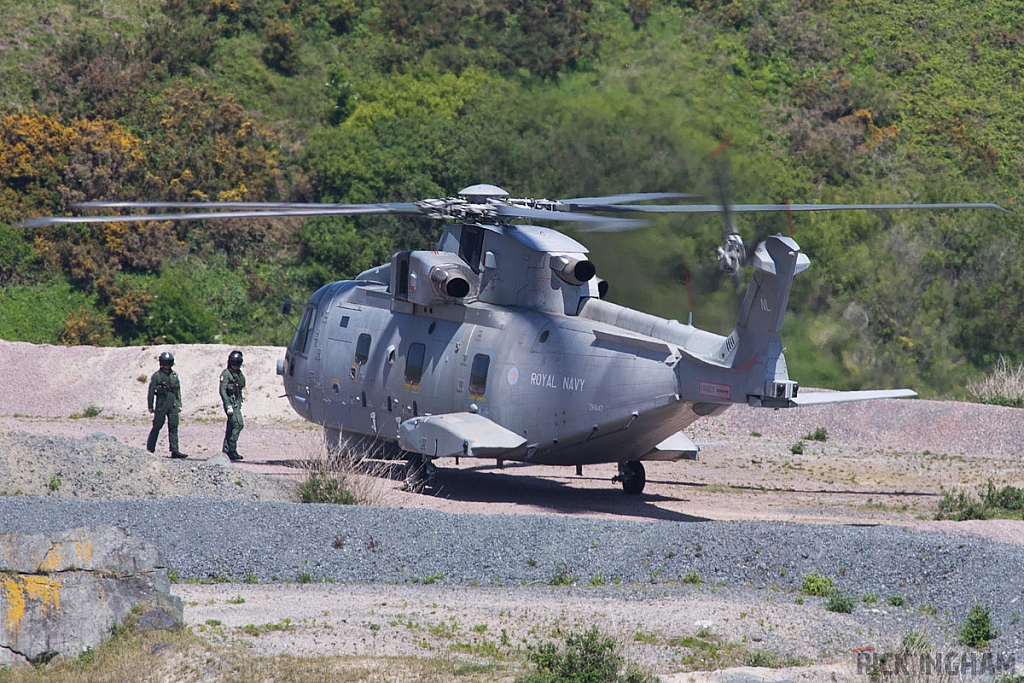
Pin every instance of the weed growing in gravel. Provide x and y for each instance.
(342, 476)
(992, 502)
(819, 434)
(837, 602)
(816, 585)
(906, 665)
(90, 411)
(797, 448)
(977, 630)
(588, 656)
(761, 659)
(895, 600)
(254, 630)
(692, 577)
(563, 576)
(916, 644)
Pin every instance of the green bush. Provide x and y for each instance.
(837, 602)
(1005, 502)
(327, 487)
(588, 657)
(977, 631)
(817, 585)
(179, 314)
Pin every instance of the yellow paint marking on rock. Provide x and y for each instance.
(84, 549)
(17, 591)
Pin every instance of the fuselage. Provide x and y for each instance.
(567, 384)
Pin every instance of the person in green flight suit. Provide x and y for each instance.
(164, 401)
(232, 381)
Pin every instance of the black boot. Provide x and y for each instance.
(179, 455)
(234, 456)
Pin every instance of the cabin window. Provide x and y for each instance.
(304, 333)
(478, 374)
(344, 321)
(362, 348)
(414, 363)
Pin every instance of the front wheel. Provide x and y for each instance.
(632, 476)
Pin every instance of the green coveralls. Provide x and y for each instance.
(164, 401)
(231, 384)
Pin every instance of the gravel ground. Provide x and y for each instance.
(471, 555)
(939, 578)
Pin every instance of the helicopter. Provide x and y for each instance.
(499, 344)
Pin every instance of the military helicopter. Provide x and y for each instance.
(498, 344)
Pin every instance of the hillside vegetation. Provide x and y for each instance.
(387, 100)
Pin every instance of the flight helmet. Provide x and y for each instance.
(167, 358)
(235, 358)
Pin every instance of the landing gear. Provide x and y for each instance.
(420, 473)
(632, 476)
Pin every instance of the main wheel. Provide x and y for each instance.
(632, 476)
(420, 473)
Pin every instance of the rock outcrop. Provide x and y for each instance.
(63, 593)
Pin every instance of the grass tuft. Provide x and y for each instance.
(342, 476)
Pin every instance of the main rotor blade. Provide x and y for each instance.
(397, 207)
(770, 208)
(767, 208)
(626, 198)
(308, 211)
(544, 214)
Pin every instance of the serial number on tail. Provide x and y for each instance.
(716, 390)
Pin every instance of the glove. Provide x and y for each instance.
(230, 410)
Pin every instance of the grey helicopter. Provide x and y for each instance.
(499, 344)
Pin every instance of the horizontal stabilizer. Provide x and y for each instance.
(454, 434)
(819, 397)
(676, 447)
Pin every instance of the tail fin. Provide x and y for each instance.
(758, 353)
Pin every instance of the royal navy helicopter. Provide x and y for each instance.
(498, 345)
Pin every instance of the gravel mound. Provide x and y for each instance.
(100, 467)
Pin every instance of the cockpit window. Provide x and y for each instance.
(362, 348)
(478, 374)
(414, 363)
(304, 333)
